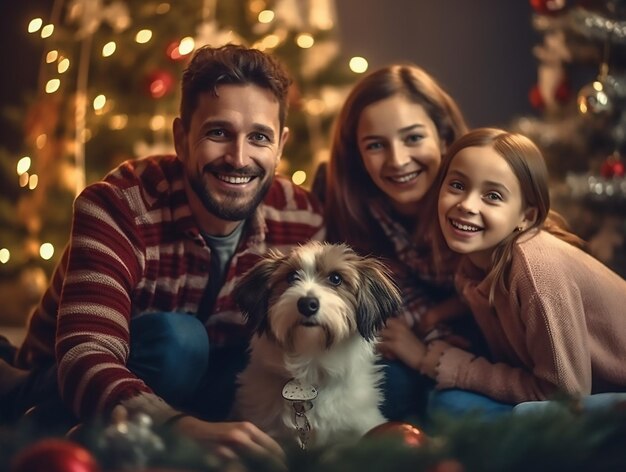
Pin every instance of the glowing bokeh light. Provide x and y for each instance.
(35, 25)
(298, 177)
(143, 36)
(108, 49)
(358, 64)
(46, 251)
(23, 165)
(266, 16)
(47, 31)
(305, 40)
(53, 85)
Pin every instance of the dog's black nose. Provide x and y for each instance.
(308, 306)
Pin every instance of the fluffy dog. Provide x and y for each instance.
(315, 314)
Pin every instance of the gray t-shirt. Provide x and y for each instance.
(222, 250)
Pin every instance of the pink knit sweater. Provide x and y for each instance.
(561, 328)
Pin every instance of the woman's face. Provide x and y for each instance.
(401, 150)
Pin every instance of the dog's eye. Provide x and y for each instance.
(335, 279)
(293, 277)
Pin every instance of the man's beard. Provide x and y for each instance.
(227, 209)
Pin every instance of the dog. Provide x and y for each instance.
(314, 314)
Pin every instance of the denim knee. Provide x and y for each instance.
(598, 401)
(460, 402)
(169, 351)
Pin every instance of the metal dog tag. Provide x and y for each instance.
(297, 392)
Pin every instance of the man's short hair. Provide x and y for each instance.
(232, 64)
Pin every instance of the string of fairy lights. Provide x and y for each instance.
(89, 15)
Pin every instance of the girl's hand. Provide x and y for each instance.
(399, 342)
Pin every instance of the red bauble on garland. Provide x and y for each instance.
(159, 83)
(535, 98)
(54, 455)
(548, 7)
(408, 434)
(613, 166)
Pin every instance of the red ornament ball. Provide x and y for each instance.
(548, 7)
(563, 92)
(54, 455)
(159, 83)
(613, 166)
(535, 98)
(408, 434)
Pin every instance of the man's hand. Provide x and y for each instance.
(399, 342)
(232, 439)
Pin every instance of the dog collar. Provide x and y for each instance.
(301, 397)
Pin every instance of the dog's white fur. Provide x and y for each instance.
(329, 344)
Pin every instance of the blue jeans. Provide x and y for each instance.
(456, 402)
(170, 352)
(594, 402)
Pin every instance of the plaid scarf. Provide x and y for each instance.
(412, 267)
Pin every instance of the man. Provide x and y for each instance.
(156, 248)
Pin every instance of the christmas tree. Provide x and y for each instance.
(108, 91)
(580, 96)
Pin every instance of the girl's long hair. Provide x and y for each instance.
(348, 185)
(528, 165)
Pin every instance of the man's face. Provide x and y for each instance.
(231, 149)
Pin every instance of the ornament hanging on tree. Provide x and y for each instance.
(548, 7)
(594, 99)
(159, 83)
(613, 166)
(54, 455)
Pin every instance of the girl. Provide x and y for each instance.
(388, 141)
(552, 315)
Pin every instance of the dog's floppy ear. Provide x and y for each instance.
(252, 291)
(378, 299)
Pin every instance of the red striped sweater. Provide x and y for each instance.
(135, 248)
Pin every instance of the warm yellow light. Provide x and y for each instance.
(271, 41)
(298, 177)
(85, 135)
(34, 25)
(186, 45)
(23, 165)
(5, 255)
(162, 8)
(143, 36)
(33, 180)
(108, 49)
(46, 251)
(266, 16)
(597, 85)
(23, 180)
(64, 64)
(53, 85)
(41, 140)
(47, 31)
(315, 106)
(305, 40)
(118, 121)
(358, 64)
(52, 56)
(99, 102)
(157, 122)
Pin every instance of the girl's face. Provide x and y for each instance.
(401, 150)
(480, 203)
